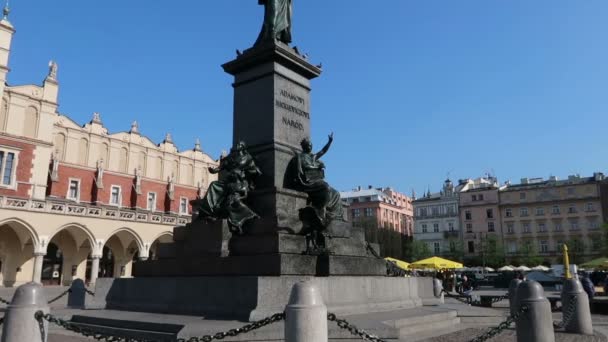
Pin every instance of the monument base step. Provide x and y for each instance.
(262, 265)
(253, 298)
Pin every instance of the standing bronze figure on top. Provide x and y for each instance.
(277, 21)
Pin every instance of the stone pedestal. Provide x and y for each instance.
(253, 298)
(272, 116)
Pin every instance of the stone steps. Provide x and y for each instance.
(428, 328)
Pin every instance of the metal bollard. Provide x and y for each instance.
(19, 322)
(513, 295)
(536, 325)
(76, 297)
(575, 308)
(305, 315)
(438, 290)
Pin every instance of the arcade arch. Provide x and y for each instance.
(17, 244)
(120, 250)
(165, 237)
(68, 255)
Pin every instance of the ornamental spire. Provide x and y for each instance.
(6, 11)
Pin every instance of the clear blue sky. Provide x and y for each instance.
(412, 89)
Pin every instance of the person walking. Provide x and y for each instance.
(588, 286)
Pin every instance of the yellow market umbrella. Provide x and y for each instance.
(400, 263)
(436, 263)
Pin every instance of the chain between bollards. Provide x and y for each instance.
(566, 314)
(63, 294)
(469, 300)
(343, 324)
(40, 316)
(501, 327)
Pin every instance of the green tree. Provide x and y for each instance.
(493, 251)
(456, 249)
(417, 250)
(529, 254)
(576, 250)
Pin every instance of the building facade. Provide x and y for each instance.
(539, 216)
(381, 207)
(479, 215)
(78, 201)
(437, 221)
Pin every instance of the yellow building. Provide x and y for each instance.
(78, 201)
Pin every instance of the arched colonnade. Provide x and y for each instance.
(73, 250)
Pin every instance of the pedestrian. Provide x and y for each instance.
(588, 286)
(467, 287)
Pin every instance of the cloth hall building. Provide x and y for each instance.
(78, 201)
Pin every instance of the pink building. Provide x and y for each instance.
(384, 207)
(479, 213)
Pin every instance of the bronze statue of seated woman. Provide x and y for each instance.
(225, 197)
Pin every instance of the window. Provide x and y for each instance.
(451, 226)
(115, 195)
(471, 245)
(593, 224)
(510, 228)
(572, 209)
(543, 246)
(522, 195)
(589, 207)
(596, 245)
(558, 227)
(480, 197)
(369, 212)
(570, 191)
(74, 190)
(183, 205)
(469, 228)
(540, 211)
(436, 247)
(525, 227)
(422, 211)
(435, 210)
(357, 213)
(151, 201)
(560, 245)
(574, 225)
(490, 226)
(8, 164)
(523, 212)
(474, 198)
(489, 213)
(467, 215)
(509, 213)
(424, 229)
(512, 247)
(542, 227)
(436, 227)
(555, 209)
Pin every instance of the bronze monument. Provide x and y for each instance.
(224, 198)
(277, 21)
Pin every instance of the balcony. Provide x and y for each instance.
(452, 234)
(93, 211)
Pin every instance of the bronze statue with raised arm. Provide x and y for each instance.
(224, 198)
(277, 21)
(309, 177)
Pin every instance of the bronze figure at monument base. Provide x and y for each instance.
(225, 197)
